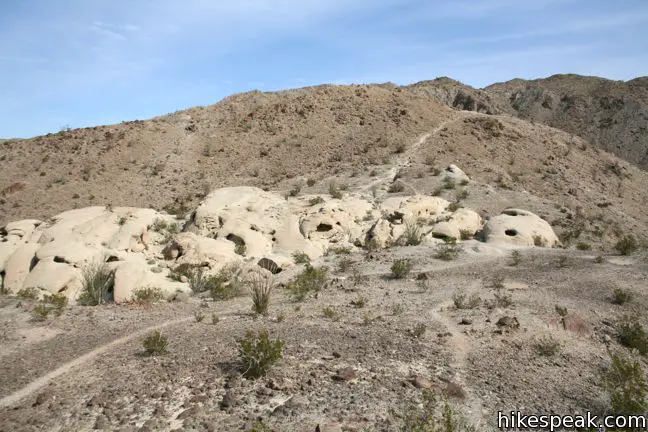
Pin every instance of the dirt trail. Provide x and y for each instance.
(37, 384)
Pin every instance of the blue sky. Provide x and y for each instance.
(88, 62)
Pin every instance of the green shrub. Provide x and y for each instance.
(258, 353)
(311, 279)
(626, 245)
(448, 252)
(431, 417)
(301, 258)
(401, 268)
(344, 264)
(240, 249)
(199, 316)
(418, 330)
(502, 298)
(465, 234)
(621, 296)
(561, 310)
(294, 191)
(58, 301)
(315, 201)
(625, 383)
(396, 187)
(462, 301)
(310, 182)
(334, 191)
(97, 281)
(359, 302)
(261, 287)
(148, 294)
(632, 334)
(583, 246)
(547, 346)
(412, 235)
(41, 311)
(156, 344)
(330, 313)
(28, 293)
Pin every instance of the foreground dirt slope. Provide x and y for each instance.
(480, 366)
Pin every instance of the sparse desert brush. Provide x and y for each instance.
(431, 416)
(464, 182)
(316, 200)
(454, 206)
(359, 302)
(258, 353)
(148, 294)
(334, 190)
(462, 195)
(599, 259)
(28, 293)
(261, 287)
(338, 250)
(401, 268)
(400, 148)
(311, 279)
(418, 330)
(357, 277)
(310, 182)
(240, 249)
(330, 313)
(294, 191)
(547, 346)
(626, 245)
(344, 264)
(448, 183)
(412, 235)
(538, 241)
(396, 309)
(502, 298)
(465, 234)
(516, 258)
(583, 246)
(461, 300)
(621, 296)
(631, 334)
(396, 187)
(562, 261)
(626, 386)
(41, 311)
(156, 344)
(300, 258)
(199, 316)
(97, 280)
(57, 301)
(214, 318)
(448, 252)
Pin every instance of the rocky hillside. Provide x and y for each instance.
(611, 115)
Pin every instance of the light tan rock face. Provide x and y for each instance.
(455, 174)
(461, 220)
(53, 277)
(18, 266)
(521, 228)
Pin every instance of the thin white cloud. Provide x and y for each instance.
(103, 31)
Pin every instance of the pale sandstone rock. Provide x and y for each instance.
(18, 265)
(454, 173)
(521, 228)
(52, 277)
(7, 248)
(462, 219)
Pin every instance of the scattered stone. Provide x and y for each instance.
(422, 382)
(465, 321)
(345, 374)
(508, 323)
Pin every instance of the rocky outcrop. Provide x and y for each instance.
(520, 228)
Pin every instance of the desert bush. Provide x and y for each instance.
(547, 346)
(562, 261)
(396, 187)
(311, 279)
(156, 344)
(632, 334)
(583, 246)
(214, 318)
(401, 268)
(431, 417)
(359, 302)
(502, 298)
(294, 191)
(465, 234)
(461, 300)
(96, 282)
(621, 296)
(148, 294)
(516, 258)
(463, 194)
(626, 385)
(626, 245)
(28, 293)
(412, 235)
(418, 330)
(310, 182)
(344, 264)
(258, 353)
(199, 316)
(538, 241)
(334, 190)
(240, 249)
(396, 309)
(338, 250)
(448, 183)
(448, 252)
(58, 301)
(454, 206)
(599, 259)
(300, 258)
(41, 311)
(261, 287)
(316, 200)
(330, 313)
(357, 277)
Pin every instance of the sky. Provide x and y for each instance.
(81, 63)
